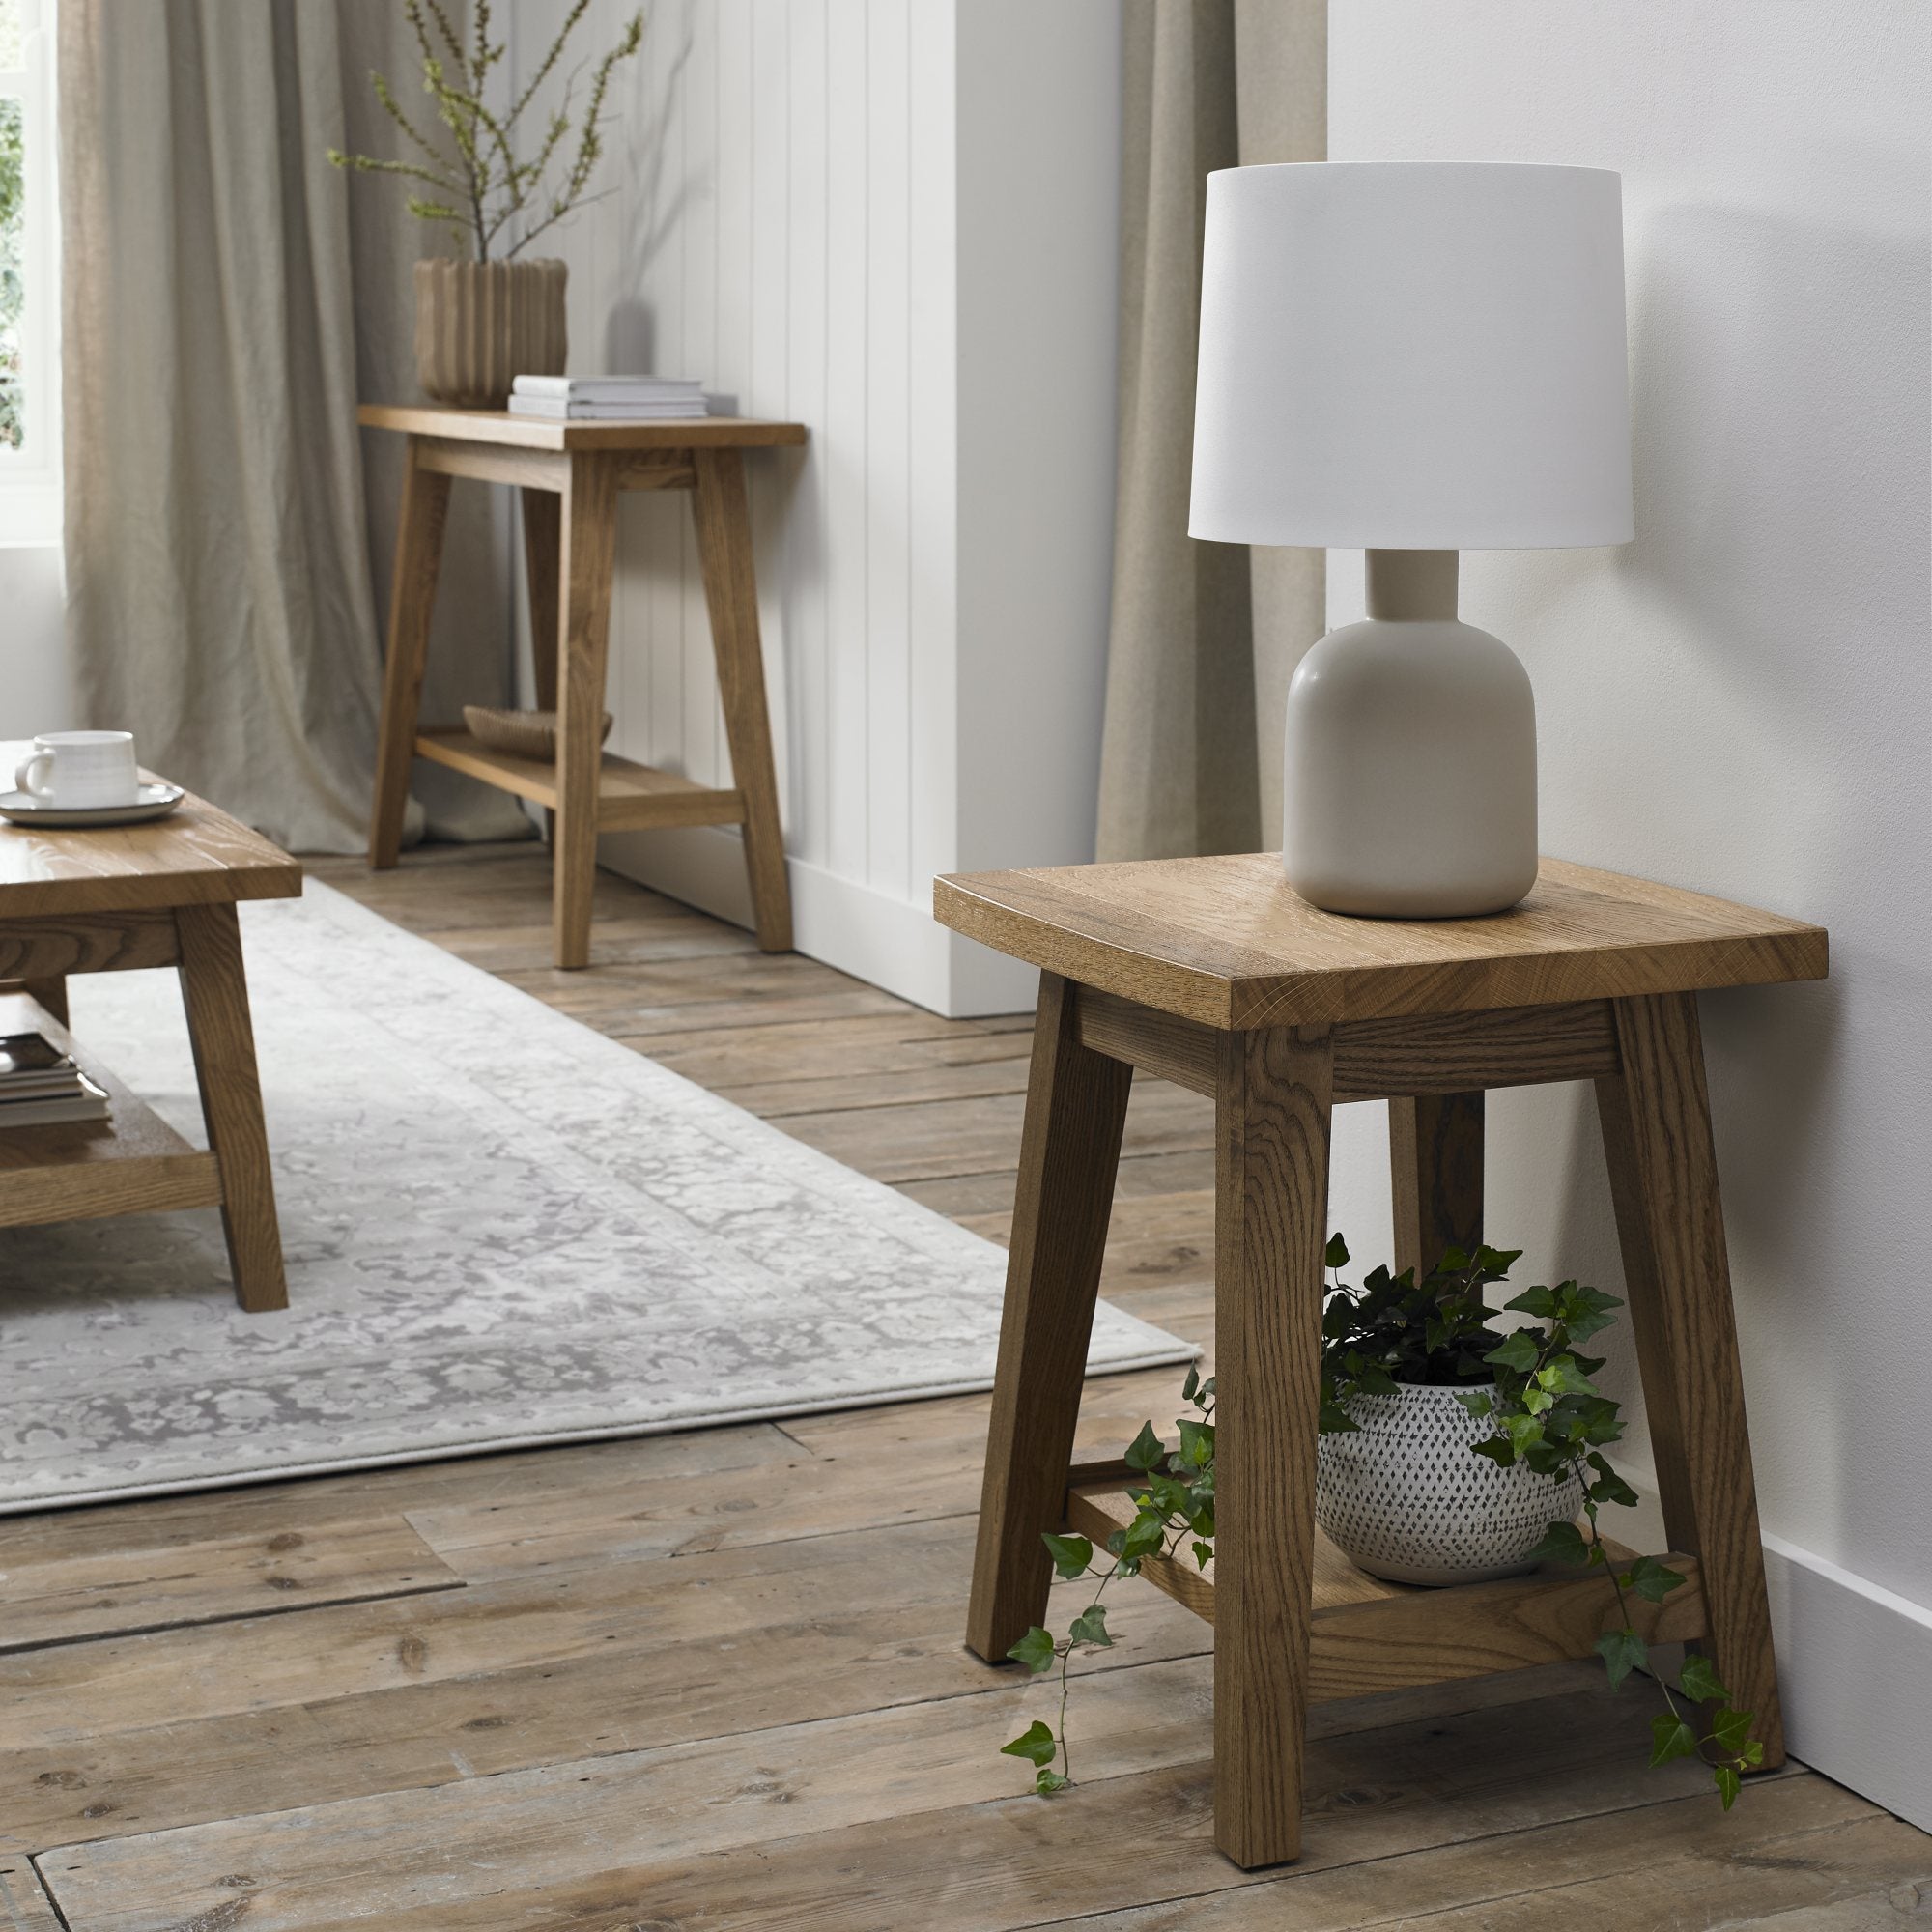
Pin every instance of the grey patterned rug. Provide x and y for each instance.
(502, 1229)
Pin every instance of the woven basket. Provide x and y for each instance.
(1404, 1497)
(521, 735)
(481, 324)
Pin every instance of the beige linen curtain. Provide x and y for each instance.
(218, 535)
(1203, 635)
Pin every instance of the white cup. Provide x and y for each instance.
(80, 769)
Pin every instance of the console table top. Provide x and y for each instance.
(508, 432)
(1227, 941)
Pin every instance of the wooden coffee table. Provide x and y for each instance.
(159, 894)
(1212, 973)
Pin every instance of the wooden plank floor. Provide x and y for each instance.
(716, 1680)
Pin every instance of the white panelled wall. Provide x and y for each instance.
(894, 222)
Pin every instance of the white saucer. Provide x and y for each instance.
(152, 801)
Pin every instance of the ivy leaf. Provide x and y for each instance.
(1203, 1552)
(1479, 1405)
(1035, 1651)
(1585, 1310)
(1562, 1376)
(1336, 1254)
(1562, 1543)
(1538, 1301)
(1454, 1261)
(1622, 1651)
(1516, 1351)
(1538, 1402)
(1700, 1679)
(1496, 1262)
(1650, 1579)
(1497, 1448)
(1197, 1442)
(1071, 1555)
(1335, 1420)
(1144, 1538)
(1727, 1784)
(1191, 1387)
(1036, 1744)
(1090, 1627)
(1047, 1782)
(1671, 1737)
(1146, 1451)
(1525, 1431)
(1732, 1730)
(1609, 1487)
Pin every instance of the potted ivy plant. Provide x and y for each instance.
(1533, 1412)
(487, 317)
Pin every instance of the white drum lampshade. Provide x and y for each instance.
(1413, 359)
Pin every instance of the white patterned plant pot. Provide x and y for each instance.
(1405, 1497)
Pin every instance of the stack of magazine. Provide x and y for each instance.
(606, 398)
(41, 1086)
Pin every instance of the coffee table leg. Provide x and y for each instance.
(1664, 1184)
(1069, 1149)
(215, 993)
(1270, 1227)
(588, 544)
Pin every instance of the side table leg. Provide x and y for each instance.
(51, 994)
(412, 598)
(1069, 1149)
(1663, 1182)
(214, 990)
(543, 529)
(1436, 1165)
(731, 595)
(587, 545)
(1270, 1227)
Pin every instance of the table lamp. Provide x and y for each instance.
(1411, 359)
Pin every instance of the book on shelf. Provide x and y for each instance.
(607, 389)
(548, 409)
(41, 1086)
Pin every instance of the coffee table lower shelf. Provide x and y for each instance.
(131, 1163)
(1368, 1635)
(629, 796)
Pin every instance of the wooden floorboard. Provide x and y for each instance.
(716, 1680)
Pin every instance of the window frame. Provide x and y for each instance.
(30, 477)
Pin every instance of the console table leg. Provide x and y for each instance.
(543, 529)
(1270, 1227)
(412, 598)
(1070, 1150)
(51, 994)
(214, 990)
(731, 596)
(1436, 1163)
(1664, 1181)
(588, 545)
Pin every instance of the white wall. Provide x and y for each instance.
(1739, 703)
(35, 689)
(897, 224)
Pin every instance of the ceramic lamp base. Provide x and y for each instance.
(1409, 781)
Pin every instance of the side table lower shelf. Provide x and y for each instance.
(1367, 1636)
(131, 1163)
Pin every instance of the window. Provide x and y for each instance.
(29, 260)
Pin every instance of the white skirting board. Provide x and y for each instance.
(885, 941)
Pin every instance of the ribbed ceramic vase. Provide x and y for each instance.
(481, 324)
(1405, 1497)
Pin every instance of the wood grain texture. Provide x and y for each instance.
(49, 949)
(425, 509)
(1076, 1108)
(499, 426)
(1655, 1119)
(525, 469)
(1438, 1054)
(214, 990)
(543, 574)
(588, 549)
(1435, 1175)
(1227, 942)
(59, 1582)
(51, 994)
(1270, 1226)
(628, 794)
(131, 1163)
(24, 1906)
(731, 596)
(197, 855)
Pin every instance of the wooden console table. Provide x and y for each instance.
(1212, 973)
(568, 475)
(158, 895)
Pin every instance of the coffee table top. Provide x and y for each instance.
(195, 856)
(1228, 943)
(500, 427)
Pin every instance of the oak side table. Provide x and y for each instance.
(1212, 973)
(157, 895)
(568, 475)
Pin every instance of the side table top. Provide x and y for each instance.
(195, 856)
(1227, 941)
(508, 432)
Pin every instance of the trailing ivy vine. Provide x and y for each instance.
(1544, 1411)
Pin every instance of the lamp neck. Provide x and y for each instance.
(1411, 583)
